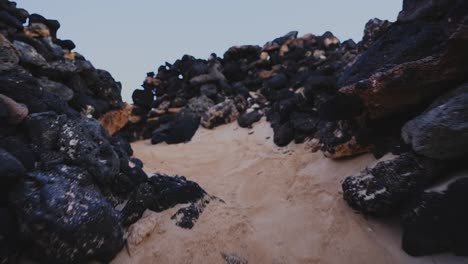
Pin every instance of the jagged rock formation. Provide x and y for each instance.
(61, 173)
(400, 79)
(288, 80)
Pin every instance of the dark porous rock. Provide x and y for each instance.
(44, 128)
(393, 77)
(9, 247)
(340, 107)
(84, 142)
(159, 193)
(180, 130)
(341, 139)
(25, 89)
(222, 113)
(10, 168)
(441, 132)
(283, 134)
(435, 222)
(59, 89)
(143, 98)
(305, 126)
(106, 88)
(66, 44)
(248, 118)
(199, 105)
(186, 217)
(65, 217)
(380, 190)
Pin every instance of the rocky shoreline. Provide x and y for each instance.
(66, 164)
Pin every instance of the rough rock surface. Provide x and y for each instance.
(435, 222)
(66, 217)
(441, 132)
(382, 189)
(61, 173)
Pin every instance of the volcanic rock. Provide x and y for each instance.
(66, 218)
(380, 190)
(441, 132)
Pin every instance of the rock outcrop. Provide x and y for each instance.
(62, 174)
(287, 79)
(396, 81)
(441, 132)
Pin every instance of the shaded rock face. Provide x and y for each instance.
(436, 222)
(408, 65)
(441, 132)
(180, 130)
(382, 189)
(61, 173)
(66, 217)
(161, 192)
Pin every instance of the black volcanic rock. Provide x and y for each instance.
(180, 130)
(382, 189)
(435, 222)
(84, 142)
(66, 218)
(441, 132)
(161, 192)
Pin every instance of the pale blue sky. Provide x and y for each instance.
(130, 38)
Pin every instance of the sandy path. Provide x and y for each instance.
(282, 205)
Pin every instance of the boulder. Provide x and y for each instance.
(382, 189)
(393, 77)
(283, 134)
(44, 128)
(248, 118)
(179, 130)
(441, 132)
(222, 113)
(84, 142)
(159, 193)
(434, 222)
(65, 217)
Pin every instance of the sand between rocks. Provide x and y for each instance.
(282, 205)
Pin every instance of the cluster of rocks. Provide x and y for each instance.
(62, 175)
(415, 76)
(286, 80)
(395, 91)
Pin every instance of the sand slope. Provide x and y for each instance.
(282, 205)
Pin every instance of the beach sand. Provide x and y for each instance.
(281, 205)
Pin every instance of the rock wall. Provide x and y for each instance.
(61, 173)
